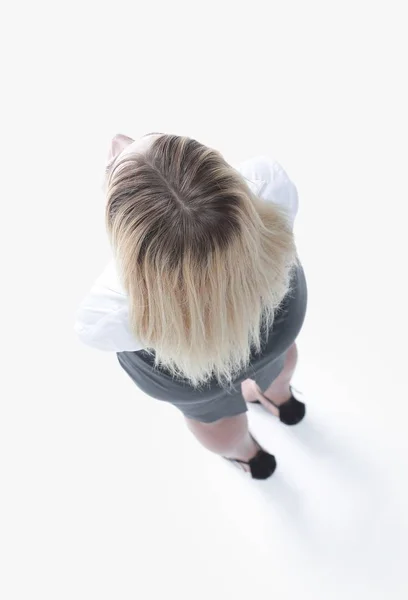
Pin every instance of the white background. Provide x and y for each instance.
(104, 494)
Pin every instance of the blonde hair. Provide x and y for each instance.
(204, 261)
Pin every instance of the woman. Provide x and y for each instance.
(205, 296)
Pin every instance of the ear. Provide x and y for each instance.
(118, 143)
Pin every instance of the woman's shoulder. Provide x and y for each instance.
(259, 168)
(109, 279)
(269, 180)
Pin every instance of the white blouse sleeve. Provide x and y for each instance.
(102, 320)
(272, 183)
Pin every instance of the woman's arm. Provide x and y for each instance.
(102, 320)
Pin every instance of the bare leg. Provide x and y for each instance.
(279, 390)
(228, 437)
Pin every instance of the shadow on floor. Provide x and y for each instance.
(360, 521)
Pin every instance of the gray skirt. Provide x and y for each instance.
(212, 402)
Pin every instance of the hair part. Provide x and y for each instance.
(204, 261)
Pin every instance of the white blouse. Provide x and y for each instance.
(102, 320)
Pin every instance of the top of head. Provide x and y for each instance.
(173, 195)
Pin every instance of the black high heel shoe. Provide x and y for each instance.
(291, 412)
(261, 466)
